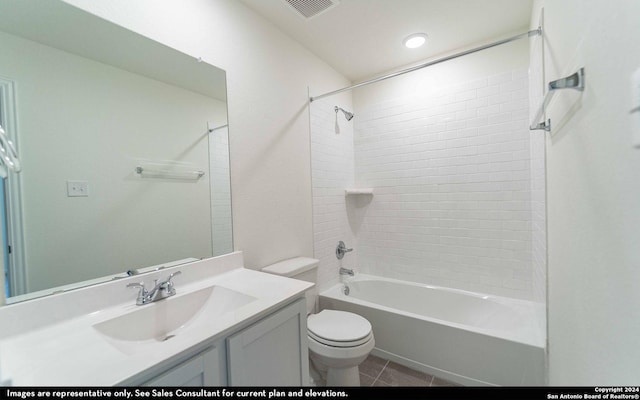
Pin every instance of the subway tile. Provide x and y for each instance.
(500, 98)
(466, 95)
(500, 78)
(488, 91)
(513, 85)
(455, 169)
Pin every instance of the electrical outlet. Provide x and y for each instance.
(77, 188)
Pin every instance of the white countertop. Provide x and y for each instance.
(71, 352)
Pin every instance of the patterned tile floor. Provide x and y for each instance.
(375, 371)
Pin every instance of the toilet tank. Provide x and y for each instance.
(301, 268)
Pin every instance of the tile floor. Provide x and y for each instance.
(375, 371)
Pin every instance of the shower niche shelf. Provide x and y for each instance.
(358, 191)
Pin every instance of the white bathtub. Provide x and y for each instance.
(464, 337)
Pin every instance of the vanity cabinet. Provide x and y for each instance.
(270, 352)
(204, 369)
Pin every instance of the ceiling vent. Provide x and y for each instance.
(312, 8)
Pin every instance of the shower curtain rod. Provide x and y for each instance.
(535, 32)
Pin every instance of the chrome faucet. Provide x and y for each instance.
(341, 250)
(160, 291)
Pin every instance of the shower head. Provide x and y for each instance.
(347, 114)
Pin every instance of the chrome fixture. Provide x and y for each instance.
(575, 81)
(535, 32)
(346, 290)
(347, 271)
(168, 173)
(160, 291)
(341, 250)
(347, 114)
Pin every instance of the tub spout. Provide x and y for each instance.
(346, 271)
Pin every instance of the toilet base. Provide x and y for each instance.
(321, 375)
(343, 376)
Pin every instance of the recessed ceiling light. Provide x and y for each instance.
(416, 40)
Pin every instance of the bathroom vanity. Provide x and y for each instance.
(266, 353)
(226, 325)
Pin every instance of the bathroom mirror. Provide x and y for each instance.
(123, 144)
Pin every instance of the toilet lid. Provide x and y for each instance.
(338, 328)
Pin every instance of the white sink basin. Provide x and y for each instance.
(165, 319)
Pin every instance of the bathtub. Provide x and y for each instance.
(464, 337)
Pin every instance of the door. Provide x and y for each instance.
(12, 243)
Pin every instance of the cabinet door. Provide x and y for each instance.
(201, 370)
(271, 352)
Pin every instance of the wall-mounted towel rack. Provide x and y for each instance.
(165, 173)
(575, 81)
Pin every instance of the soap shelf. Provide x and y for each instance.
(353, 192)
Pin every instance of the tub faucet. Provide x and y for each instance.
(346, 271)
(161, 290)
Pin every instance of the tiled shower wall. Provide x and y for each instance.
(332, 172)
(538, 177)
(452, 186)
(220, 191)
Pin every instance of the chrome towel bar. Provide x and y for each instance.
(161, 173)
(575, 81)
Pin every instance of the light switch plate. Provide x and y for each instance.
(77, 188)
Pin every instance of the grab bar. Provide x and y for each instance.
(575, 81)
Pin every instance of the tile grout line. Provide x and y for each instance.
(380, 373)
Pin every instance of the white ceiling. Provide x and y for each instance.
(363, 38)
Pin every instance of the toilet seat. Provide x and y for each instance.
(339, 328)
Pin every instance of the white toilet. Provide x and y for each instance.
(338, 340)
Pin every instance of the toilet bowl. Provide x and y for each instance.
(338, 340)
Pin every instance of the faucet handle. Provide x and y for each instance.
(172, 275)
(168, 284)
(141, 293)
(341, 250)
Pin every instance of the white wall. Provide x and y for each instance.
(592, 194)
(267, 76)
(82, 120)
(447, 151)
